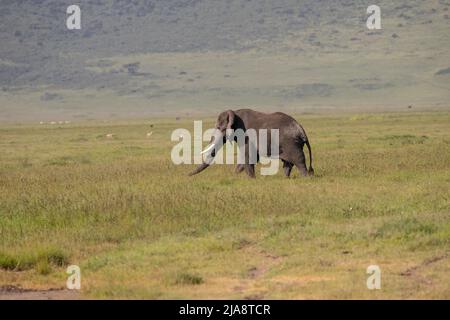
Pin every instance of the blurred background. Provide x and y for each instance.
(194, 57)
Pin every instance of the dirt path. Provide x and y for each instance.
(17, 293)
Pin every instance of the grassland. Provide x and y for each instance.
(139, 227)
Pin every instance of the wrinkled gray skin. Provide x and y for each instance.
(292, 138)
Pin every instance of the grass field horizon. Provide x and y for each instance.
(139, 227)
(138, 59)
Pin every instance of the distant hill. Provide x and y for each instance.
(143, 58)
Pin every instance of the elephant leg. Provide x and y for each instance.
(293, 154)
(300, 163)
(239, 168)
(250, 169)
(249, 165)
(287, 168)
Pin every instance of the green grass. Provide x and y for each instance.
(39, 259)
(188, 279)
(139, 227)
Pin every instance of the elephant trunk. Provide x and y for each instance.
(210, 150)
(199, 169)
(205, 164)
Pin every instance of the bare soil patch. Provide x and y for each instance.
(17, 293)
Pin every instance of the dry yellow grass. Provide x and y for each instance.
(140, 228)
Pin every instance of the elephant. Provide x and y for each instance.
(292, 138)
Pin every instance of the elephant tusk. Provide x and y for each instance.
(209, 148)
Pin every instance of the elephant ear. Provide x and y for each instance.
(231, 115)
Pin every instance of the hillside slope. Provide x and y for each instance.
(135, 58)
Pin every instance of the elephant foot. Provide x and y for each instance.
(250, 169)
(239, 168)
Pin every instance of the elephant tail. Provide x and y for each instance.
(304, 140)
(310, 170)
